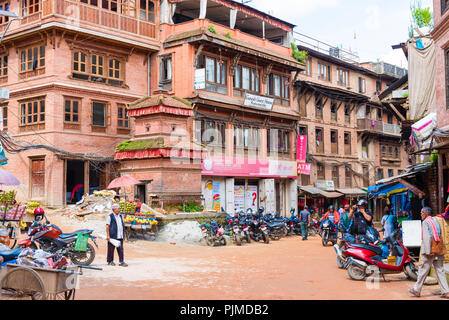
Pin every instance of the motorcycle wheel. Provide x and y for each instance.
(285, 232)
(340, 262)
(356, 273)
(83, 258)
(311, 233)
(266, 239)
(248, 238)
(208, 242)
(324, 240)
(238, 241)
(223, 241)
(410, 271)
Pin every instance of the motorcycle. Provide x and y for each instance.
(49, 237)
(276, 226)
(213, 234)
(366, 259)
(259, 230)
(328, 232)
(235, 230)
(314, 227)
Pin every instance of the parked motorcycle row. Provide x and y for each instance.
(365, 255)
(50, 238)
(254, 226)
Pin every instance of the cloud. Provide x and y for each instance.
(372, 21)
(300, 7)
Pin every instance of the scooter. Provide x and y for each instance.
(366, 259)
(9, 256)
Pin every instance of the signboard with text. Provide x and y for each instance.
(200, 79)
(304, 168)
(301, 150)
(252, 100)
(325, 185)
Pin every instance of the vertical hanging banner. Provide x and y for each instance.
(301, 150)
(216, 196)
(239, 198)
(252, 198)
(3, 159)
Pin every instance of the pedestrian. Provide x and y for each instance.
(389, 222)
(304, 217)
(115, 229)
(138, 204)
(362, 218)
(431, 234)
(345, 222)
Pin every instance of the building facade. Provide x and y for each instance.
(354, 139)
(71, 68)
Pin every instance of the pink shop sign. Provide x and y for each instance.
(304, 168)
(243, 167)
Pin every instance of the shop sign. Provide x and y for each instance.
(304, 168)
(200, 79)
(239, 198)
(244, 167)
(261, 102)
(325, 185)
(216, 197)
(251, 198)
(301, 150)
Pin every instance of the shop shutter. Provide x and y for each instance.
(269, 193)
(293, 196)
(230, 208)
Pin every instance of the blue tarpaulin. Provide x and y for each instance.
(385, 189)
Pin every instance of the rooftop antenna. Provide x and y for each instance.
(246, 1)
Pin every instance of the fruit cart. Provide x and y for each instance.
(141, 224)
(26, 282)
(11, 214)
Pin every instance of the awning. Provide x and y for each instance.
(355, 192)
(318, 192)
(410, 171)
(387, 189)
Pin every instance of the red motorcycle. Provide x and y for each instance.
(50, 238)
(365, 260)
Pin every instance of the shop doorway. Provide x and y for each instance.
(141, 192)
(74, 181)
(277, 189)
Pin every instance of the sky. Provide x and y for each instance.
(368, 27)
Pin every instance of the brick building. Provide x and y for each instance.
(354, 139)
(71, 68)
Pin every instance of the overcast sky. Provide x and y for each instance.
(376, 25)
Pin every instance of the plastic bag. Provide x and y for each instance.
(115, 243)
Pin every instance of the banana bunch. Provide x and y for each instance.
(103, 193)
(139, 220)
(32, 206)
(7, 197)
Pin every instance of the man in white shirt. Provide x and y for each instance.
(115, 229)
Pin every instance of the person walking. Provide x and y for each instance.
(115, 229)
(431, 234)
(345, 222)
(304, 217)
(389, 222)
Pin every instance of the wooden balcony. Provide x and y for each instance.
(379, 127)
(82, 15)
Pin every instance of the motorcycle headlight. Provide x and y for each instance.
(326, 224)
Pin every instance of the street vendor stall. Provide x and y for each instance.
(144, 224)
(11, 212)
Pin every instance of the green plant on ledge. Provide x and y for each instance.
(212, 30)
(299, 55)
(228, 35)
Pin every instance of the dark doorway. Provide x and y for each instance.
(96, 176)
(278, 197)
(74, 181)
(141, 192)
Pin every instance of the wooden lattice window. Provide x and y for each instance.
(129, 8)
(122, 117)
(32, 59)
(444, 6)
(3, 66)
(79, 62)
(115, 72)
(32, 112)
(30, 7)
(4, 111)
(72, 110)
(4, 6)
(97, 65)
(147, 10)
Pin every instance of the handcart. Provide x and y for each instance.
(18, 282)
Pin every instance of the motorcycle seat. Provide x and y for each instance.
(74, 234)
(377, 250)
(276, 224)
(10, 254)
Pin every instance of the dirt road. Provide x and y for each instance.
(285, 269)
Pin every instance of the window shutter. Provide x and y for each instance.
(91, 113)
(108, 111)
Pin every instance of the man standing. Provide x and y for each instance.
(430, 230)
(115, 229)
(389, 222)
(304, 217)
(362, 218)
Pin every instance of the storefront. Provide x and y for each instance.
(350, 196)
(318, 200)
(235, 185)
